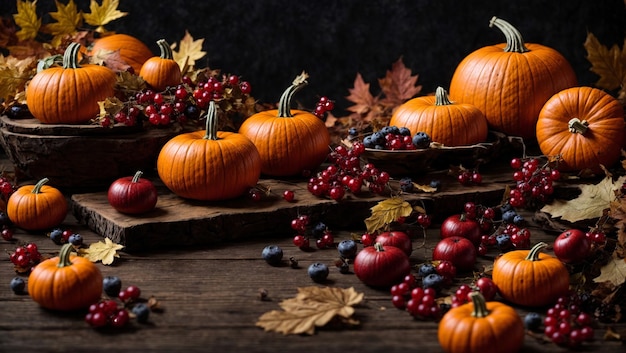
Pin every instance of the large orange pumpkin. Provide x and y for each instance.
(69, 94)
(162, 71)
(133, 51)
(510, 82)
(209, 165)
(585, 126)
(445, 122)
(289, 141)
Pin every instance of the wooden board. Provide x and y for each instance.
(177, 222)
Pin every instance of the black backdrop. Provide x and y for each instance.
(268, 42)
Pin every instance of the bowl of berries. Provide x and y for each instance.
(402, 153)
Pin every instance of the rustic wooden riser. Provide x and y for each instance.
(177, 222)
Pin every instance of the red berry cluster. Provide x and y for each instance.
(484, 285)
(533, 181)
(110, 312)
(323, 105)
(346, 174)
(6, 188)
(25, 257)
(417, 301)
(324, 238)
(469, 177)
(596, 237)
(566, 324)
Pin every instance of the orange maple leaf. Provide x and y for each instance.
(399, 85)
(361, 96)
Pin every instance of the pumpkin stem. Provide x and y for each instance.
(533, 254)
(211, 122)
(441, 97)
(64, 255)
(166, 50)
(70, 56)
(39, 185)
(379, 247)
(575, 125)
(284, 110)
(137, 176)
(480, 306)
(514, 40)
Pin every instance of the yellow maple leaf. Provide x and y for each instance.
(68, 20)
(593, 200)
(14, 73)
(387, 211)
(189, 51)
(609, 64)
(103, 14)
(312, 307)
(102, 251)
(26, 17)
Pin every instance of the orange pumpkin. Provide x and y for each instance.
(289, 141)
(162, 71)
(37, 207)
(510, 82)
(133, 51)
(585, 126)
(209, 165)
(452, 124)
(530, 277)
(69, 94)
(65, 282)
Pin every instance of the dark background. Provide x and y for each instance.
(268, 42)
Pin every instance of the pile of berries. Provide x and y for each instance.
(418, 301)
(533, 181)
(117, 313)
(25, 257)
(395, 138)
(565, 323)
(323, 105)
(6, 188)
(467, 177)
(324, 238)
(62, 236)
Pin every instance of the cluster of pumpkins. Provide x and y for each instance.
(520, 89)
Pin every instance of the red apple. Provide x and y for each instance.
(572, 246)
(132, 194)
(398, 239)
(460, 226)
(458, 250)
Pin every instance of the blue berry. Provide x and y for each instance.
(421, 140)
(533, 321)
(112, 286)
(142, 312)
(76, 239)
(406, 184)
(509, 216)
(504, 242)
(369, 142)
(379, 138)
(272, 254)
(436, 184)
(405, 131)
(18, 285)
(319, 229)
(426, 269)
(56, 235)
(347, 248)
(394, 130)
(433, 280)
(318, 272)
(353, 131)
(506, 207)
(518, 219)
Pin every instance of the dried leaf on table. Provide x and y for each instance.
(592, 202)
(102, 251)
(387, 211)
(312, 307)
(103, 14)
(28, 21)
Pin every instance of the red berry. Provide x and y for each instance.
(288, 195)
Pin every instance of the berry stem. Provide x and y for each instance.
(284, 110)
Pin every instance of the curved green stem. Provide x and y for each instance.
(166, 50)
(137, 176)
(64, 255)
(70, 56)
(480, 306)
(533, 254)
(39, 185)
(441, 97)
(284, 110)
(514, 40)
(211, 122)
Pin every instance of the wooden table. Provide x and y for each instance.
(210, 302)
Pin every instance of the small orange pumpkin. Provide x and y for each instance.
(452, 124)
(37, 207)
(289, 141)
(162, 71)
(481, 327)
(585, 126)
(69, 94)
(530, 277)
(209, 165)
(510, 82)
(65, 282)
(133, 51)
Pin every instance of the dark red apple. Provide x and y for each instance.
(398, 239)
(572, 246)
(458, 250)
(132, 194)
(460, 226)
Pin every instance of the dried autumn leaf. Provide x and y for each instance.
(14, 74)
(7, 32)
(593, 200)
(110, 106)
(399, 85)
(130, 82)
(312, 307)
(26, 18)
(189, 51)
(387, 211)
(361, 97)
(609, 64)
(68, 20)
(614, 271)
(103, 14)
(105, 252)
(111, 59)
